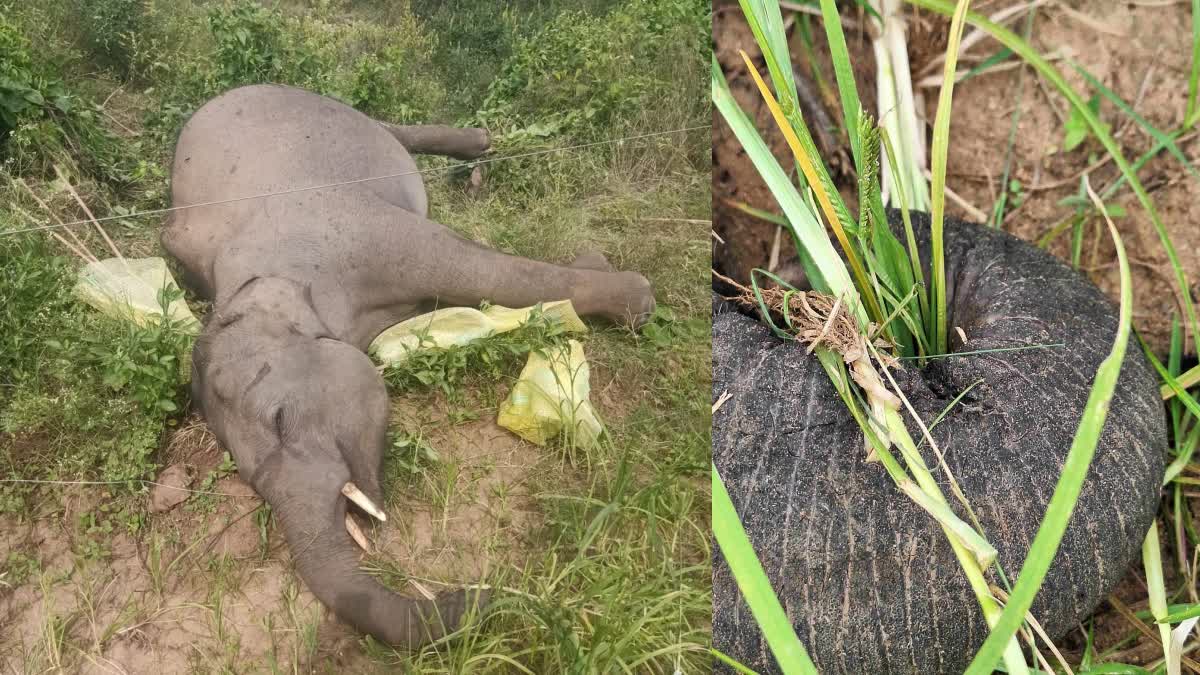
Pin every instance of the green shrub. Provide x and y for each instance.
(88, 396)
(109, 29)
(249, 44)
(584, 75)
(26, 92)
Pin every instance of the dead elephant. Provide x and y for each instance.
(301, 281)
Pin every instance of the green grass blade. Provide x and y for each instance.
(937, 189)
(766, 23)
(1157, 590)
(1051, 74)
(827, 272)
(1193, 113)
(1066, 493)
(727, 660)
(1158, 135)
(754, 585)
(844, 70)
(1187, 445)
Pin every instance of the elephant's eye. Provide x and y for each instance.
(279, 423)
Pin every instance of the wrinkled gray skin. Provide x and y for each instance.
(302, 283)
(867, 578)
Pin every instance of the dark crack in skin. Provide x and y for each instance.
(867, 578)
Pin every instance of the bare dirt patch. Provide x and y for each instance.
(208, 582)
(1140, 52)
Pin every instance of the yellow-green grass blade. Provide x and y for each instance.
(754, 584)
(1186, 381)
(1157, 590)
(765, 19)
(937, 190)
(1051, 74)
(808, 164)
(1177, 466)
(729, 661)
(827, 272)
(1075, 468)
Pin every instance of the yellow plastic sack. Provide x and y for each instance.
(459, 325)
(551, 397)
(128, 289)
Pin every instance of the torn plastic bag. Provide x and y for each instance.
(129, 289)
(551, 397)
(459, 325)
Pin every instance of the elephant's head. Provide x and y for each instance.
(305, 417)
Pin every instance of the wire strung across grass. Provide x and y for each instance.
(120, 482)
(171, 209)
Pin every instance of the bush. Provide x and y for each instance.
(583, 75)
(95, 393)
(637, 68)
(249, 44)
(109, 30)
(26, 93)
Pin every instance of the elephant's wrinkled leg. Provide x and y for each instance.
(436, 139)
(511, 281)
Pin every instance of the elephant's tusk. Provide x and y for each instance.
(355, 495)
(356, 534)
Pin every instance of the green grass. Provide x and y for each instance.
(614, 572)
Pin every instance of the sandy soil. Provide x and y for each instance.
(206, 584)
(1140, 52)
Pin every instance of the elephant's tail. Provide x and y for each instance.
(327, 559)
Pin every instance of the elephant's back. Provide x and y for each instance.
(270, 139)
(867, 578)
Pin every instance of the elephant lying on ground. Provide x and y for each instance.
(302, 282)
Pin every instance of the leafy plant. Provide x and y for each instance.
(1077, 129)
(26, 91)
(446, 369)
(145, 361)
(110, 28)
(249, 43)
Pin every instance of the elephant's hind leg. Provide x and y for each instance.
(436, 139)
(466, 273)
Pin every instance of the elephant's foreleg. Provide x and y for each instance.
(436, 139)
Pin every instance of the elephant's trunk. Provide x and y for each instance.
(328, 562)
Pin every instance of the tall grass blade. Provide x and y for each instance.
(1066, 493)
(844, 71)
(1193, 113)
(754, 584)
(1051, 74)
(808, 164)
(1157, 590)
(824, 268)
(766, 23)
(937, 189)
